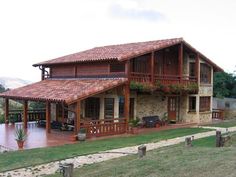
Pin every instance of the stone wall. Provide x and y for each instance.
(150, 105)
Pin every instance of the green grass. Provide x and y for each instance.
(202, 160)
(224, 124)
(19, 159)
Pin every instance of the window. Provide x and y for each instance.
(192, 69)
(140, 64)
(205, 73)
(92, 108)
(117, 67)
(192, 104)
(109, 108)
(205, 103)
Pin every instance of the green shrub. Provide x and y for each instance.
(2, 119)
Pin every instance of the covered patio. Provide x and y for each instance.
(69, 94)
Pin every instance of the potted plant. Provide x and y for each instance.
(165, 119)
(134, 125)
(82, 134)
(20, 136)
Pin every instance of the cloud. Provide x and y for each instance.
(117, 10)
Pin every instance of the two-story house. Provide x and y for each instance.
(102, 88)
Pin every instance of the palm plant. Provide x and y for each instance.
(20, 134)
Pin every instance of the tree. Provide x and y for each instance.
(224, 85)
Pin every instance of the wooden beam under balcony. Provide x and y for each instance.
(180, 58)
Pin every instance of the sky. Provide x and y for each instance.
(32, 31)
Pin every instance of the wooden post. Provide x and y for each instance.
(188, 142)
(48, 117)
(180, 61)
(63, 113)
(6, 110)
(197, 67)
(57, 112)
(127, 69)
(127, 103)
(152, 67)
(25, 114)
(218, 138)
(43, 74)
(77, 118)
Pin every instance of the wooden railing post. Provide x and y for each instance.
(6, 110)
(48, 117)
(25, 114)
(180, 58)
(127, 102)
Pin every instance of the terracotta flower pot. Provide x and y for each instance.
(20, 144)
(73, 138)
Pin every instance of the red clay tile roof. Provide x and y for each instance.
(63, 90)
(122, 52)
(114, 52)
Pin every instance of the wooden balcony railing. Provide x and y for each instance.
(33, 115)
(104, 127)
(141, 77)
(170, 79)
(218, 114)
(163, 79)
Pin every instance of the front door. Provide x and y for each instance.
(172, 108)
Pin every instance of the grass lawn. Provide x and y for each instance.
(202, 160)
(224, 124)
(19, 159)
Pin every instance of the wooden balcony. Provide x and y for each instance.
(162, 79)
(170, 79)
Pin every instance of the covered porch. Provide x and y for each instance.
(65, 100)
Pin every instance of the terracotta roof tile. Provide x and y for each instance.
(114, 52)
(63, 90)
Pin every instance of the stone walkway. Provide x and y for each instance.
(79, 161)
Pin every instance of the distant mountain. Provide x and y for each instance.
(11, 83)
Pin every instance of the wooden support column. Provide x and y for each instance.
(197, 64)
(180, 61)
(77, 118)
(43, 74)
(6, 110)
(25, 113)
(48, 117)
(152, 68)
(57, 112)
(63, 113)
(127, 103)
(127, 69)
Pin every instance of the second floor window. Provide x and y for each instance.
(205, 74)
